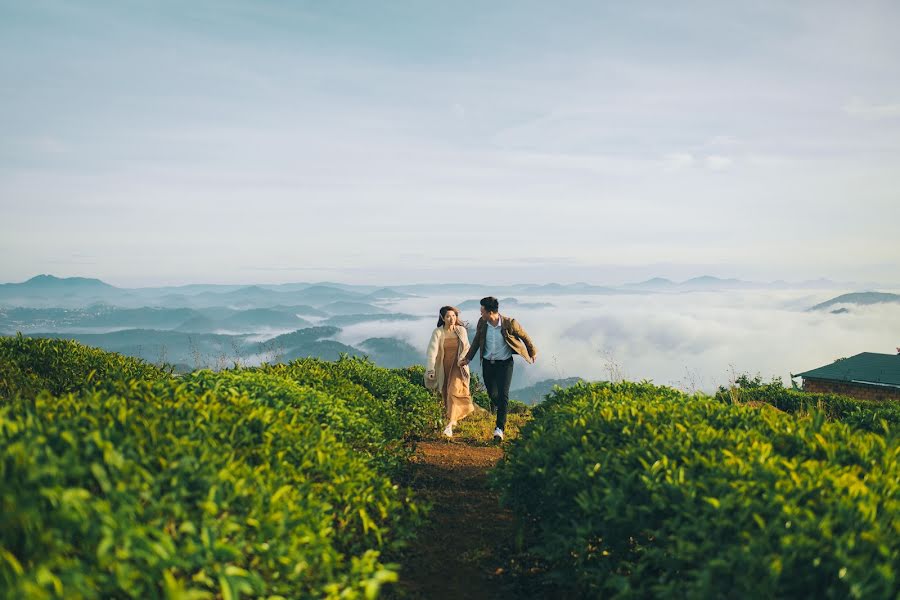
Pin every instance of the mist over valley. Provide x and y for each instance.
(694, 335)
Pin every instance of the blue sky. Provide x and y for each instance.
(171, 142)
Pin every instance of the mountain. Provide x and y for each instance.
(297, 338)
(47, 291)
(51, 283)
(707, 282)
(344, 307)
(318, 295)
(556, 289)
(386, 294)
(391, 352)
(347, 320)
(95, 318)
(505, 302)
(139, 318)
(199, 324)
(198, 350)
(859, 299)
(536, 393)
(309, 342)
(656, 283)
(301, 310)
(255, 319)
(255, 296)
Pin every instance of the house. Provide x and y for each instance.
(866, 376)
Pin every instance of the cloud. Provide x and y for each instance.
(688, 340)
(859, 109)
(669, 338)
(718, 163)
(678, 161)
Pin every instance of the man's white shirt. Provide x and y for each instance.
(495, 347)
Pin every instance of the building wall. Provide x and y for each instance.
(854, 390)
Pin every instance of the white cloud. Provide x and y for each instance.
(862, 110)
(718, 163)
(678, 161)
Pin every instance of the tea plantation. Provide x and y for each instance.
(638, 491)
(118, 480)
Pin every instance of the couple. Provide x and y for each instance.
(446, 367)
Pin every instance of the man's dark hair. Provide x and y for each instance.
(490, 304)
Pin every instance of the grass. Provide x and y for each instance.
(477, 429)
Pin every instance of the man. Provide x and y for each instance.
(497, 338)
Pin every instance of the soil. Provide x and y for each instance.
(468, 547)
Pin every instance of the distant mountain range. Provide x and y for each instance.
(47, 291)
(206, 350)
(504, 302)
(706, 282)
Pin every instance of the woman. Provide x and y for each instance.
(449, 343)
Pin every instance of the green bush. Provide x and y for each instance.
(400, 408)
(639, 491)
(152, 489)
(28, 365)
(355, 427)
(878, 417)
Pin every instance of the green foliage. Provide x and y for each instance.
(878, 417)
(412, 406)
(142, 489)
(401, 409)
(354, 423)
(28, 365)
(643, 491)
(121, 481)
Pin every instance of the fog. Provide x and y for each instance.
(693, 340)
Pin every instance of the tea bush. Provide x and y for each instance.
(635, 490)
(868, 415)
(356, 427)
(400, 408)
(151, 489)
(28, 365)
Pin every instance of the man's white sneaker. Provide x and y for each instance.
(498, 435)
(448, 431)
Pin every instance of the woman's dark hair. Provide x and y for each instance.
(444, 310)
(490, 304)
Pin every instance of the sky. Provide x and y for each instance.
(155, 143)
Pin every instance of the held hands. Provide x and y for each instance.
(463, 361)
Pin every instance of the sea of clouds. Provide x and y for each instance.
(690, 340)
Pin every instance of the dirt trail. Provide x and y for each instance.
(466, 548)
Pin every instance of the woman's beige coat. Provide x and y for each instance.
(434, 357)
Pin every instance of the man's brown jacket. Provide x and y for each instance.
(513, 334)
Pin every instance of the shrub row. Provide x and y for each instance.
(269, 482)
(388, 399)
(146, 489)
(29, 365)
(868, 415)
(641, 491)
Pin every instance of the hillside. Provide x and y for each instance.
(859, 299)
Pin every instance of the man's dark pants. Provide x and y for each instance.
(497, 377)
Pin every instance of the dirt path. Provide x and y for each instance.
(465, 549)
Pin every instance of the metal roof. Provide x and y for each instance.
(868, 368)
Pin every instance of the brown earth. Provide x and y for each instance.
(467, 549)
